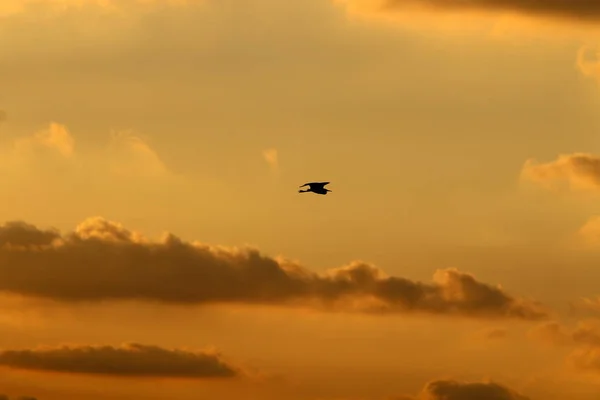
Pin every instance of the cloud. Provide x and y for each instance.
(585, 333)
(123, 265)
(551, 333)
(578, 170)
(271, 157)
(589, 67)
(493, 333)
(578, 10)
(585, 359)
(585, 338)
(56, 137)
(131, 155)
(126, 155)
(129, 360)
(589, 233)
(455, 390)
(586, 305)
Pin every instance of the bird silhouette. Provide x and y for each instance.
(315, 187)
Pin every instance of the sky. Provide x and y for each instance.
(153, 243)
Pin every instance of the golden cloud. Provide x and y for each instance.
(127, 154)
(56, 137)
(129, 360)
(576, 171)
(123, 265)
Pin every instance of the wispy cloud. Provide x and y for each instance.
(130, 154)
(56, 137)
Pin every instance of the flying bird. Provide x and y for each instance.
(315, 187)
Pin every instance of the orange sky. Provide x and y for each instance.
(153, 244)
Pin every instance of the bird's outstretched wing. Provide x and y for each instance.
(315, 184)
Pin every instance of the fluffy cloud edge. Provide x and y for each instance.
(125, 265)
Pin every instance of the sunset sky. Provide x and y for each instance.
(154, 246)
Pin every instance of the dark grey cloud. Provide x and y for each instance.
(444, 389)
(101, 260)
(581, 10)
(131, 360)
(454, 390)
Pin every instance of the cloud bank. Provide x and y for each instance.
(101, 260)
(130, 360)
